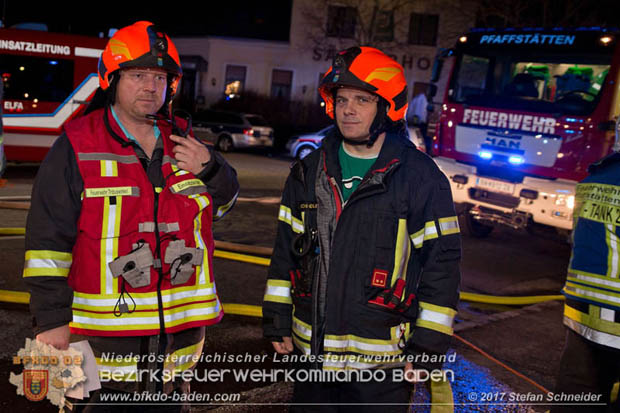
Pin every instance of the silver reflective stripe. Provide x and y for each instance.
(169, 227)
(48, 263)
(435, 317)
(448, 226)
(592, 294)
(127, 159)
(349, 345)
(301, 329)
(599, 282)
(169, 159)
(221, 211)
(592, 334)
(146, 227)
(279, 291)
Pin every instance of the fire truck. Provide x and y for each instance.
(524, 113)
(48, 80)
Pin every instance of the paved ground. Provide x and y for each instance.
(507, 263)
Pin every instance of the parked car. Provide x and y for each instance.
(230, 130)
(300, 146)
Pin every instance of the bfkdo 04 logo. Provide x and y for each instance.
(36, 384)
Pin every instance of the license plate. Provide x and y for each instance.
(495, 186)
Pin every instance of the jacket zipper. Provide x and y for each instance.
(160, 279)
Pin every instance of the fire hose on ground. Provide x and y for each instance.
(236, 252)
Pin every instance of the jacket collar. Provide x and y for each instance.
(391, 152)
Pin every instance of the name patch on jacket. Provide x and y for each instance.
(599, 202)
(307, 205)
(117, 191)
(189, 187)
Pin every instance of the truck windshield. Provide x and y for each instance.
(552, 83)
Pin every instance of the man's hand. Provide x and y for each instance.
(57, 337)
(412, 375)
(190, 153)
(284, 347)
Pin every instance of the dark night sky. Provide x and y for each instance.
(262, 19)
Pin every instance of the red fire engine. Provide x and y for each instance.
(524, 114)
(48, 79)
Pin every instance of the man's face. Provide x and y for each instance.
(140, 92)
(355, 111)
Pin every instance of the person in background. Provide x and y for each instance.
(417, 116)
(591, 359)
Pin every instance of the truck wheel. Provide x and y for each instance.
(225, 144)
(475, 228)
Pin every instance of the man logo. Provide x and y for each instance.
(35, 384)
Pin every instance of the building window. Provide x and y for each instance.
(384, 26)
(281, 81)
(423, 29)
(235, 80)
(341, 21)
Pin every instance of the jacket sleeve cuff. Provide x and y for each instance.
(210, 168)
(43, 321)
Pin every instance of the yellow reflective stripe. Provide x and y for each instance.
(433, 307)
(600, 337)
(360, 345)
(614, 392)
(112, 191)
(595, 281)
(449, 225)
(110, 230)
(41, 263)
(609, 294)
(183, 358)
(418, 238)
(46, 272)
(108, 305)
(302, 329)
(188, 291)
(203, 272)
(591, 274)
(109, 167)
(304, 347)
(189, 183)
(402, 253)
(612, 251)
(278, 291)
(428, 232)
(592, 320)
(591, 294)
(436, 318)
(112, 323)
(286, 216)
(434, 326)
(221, 211)
(49, 255)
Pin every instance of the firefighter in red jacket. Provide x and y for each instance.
(365, 270)
(119, 246)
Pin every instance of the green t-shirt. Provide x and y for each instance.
(353, 171)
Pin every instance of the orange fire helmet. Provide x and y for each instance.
(140, 45)
(371, 70)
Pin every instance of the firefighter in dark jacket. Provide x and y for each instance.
(119, 245)
(366, 263)
(591, 359)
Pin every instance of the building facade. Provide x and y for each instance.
(410, 31)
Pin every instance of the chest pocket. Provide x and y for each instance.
(108, 201)
(385, 273)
